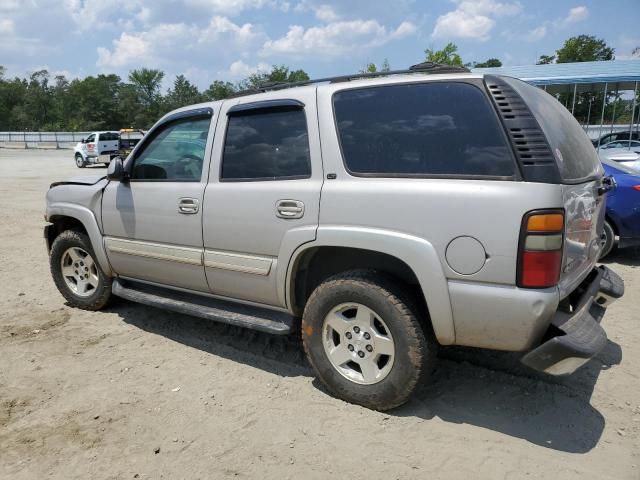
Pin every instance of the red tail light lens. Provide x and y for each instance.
(540, 269)
(540, 256)
(636, 187)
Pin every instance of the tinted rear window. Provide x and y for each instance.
(421, 129)
(577, 159)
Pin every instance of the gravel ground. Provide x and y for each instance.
(136, 392)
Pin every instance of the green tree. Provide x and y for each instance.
(61, 105)
(38, 100)
(491, 62)
(12, 100)
(373, 68)
(447, 56)
(278, 74)
(183, 93)
(147, 83)
(94, 102)
(546, 59)
(219, 90)
(584, 48)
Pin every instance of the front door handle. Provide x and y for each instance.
(188, 205)
(289, 209)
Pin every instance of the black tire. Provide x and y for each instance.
(415, 347)
(609, 240)
(101, 293)
(80, 163)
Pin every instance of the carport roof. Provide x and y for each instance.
(622, 72)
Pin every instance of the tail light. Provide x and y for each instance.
(540, 250)
(636, 187)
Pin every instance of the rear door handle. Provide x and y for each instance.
(289, 209)
(188, 205)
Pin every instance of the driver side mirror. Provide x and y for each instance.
(116, 170)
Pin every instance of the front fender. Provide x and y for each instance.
(90, 223)
(416, 252)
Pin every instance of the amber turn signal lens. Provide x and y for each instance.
(549, 222)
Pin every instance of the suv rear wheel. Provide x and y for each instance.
(364, 341)
(76, 273)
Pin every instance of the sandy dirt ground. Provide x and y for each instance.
(136, 392)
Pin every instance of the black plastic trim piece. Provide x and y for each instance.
(577, 334)
(285, 103)
(529, 143)
(201, 306)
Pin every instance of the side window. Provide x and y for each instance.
(433, 128)
(175, 153)
(266, 145)
(91, 138)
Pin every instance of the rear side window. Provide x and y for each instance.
(266, 145)
(577, 159)
(419, 129)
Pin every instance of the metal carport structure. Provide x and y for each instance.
(589, 85)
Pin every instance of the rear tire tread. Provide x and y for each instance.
(422, 344)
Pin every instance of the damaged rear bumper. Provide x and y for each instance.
(575, 337)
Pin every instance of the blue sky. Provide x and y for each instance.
(228, 39)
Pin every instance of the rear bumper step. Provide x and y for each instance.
(578, 336)
(240, 315)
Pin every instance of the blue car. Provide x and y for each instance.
(623, 208)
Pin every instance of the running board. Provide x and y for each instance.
(240, 315)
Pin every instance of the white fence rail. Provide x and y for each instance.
(41, 139)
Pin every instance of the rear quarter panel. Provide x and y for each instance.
(434, 210)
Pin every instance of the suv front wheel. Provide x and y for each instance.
(76, 273)
(363, 339)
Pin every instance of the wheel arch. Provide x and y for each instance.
(407, 258)
(69, 217)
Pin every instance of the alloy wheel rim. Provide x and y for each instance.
(358, 343)
(79, 271)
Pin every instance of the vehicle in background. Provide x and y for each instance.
(626, 152)
(615, 137)
(129, 138)
(102, 147)
(622, 220)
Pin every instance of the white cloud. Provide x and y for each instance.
(537, 33)
(323, 12)
(235, 7)
(575, 15)
(334, 39)
(163, 43)
(7, 26)
(239, 69)
(9, 5)
(102, 14)
(473, 19)
(127, 50)
(326, 13)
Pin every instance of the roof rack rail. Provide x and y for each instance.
(424, 67)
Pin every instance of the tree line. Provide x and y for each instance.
(106, 101)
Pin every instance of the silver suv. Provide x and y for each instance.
(377, 215)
